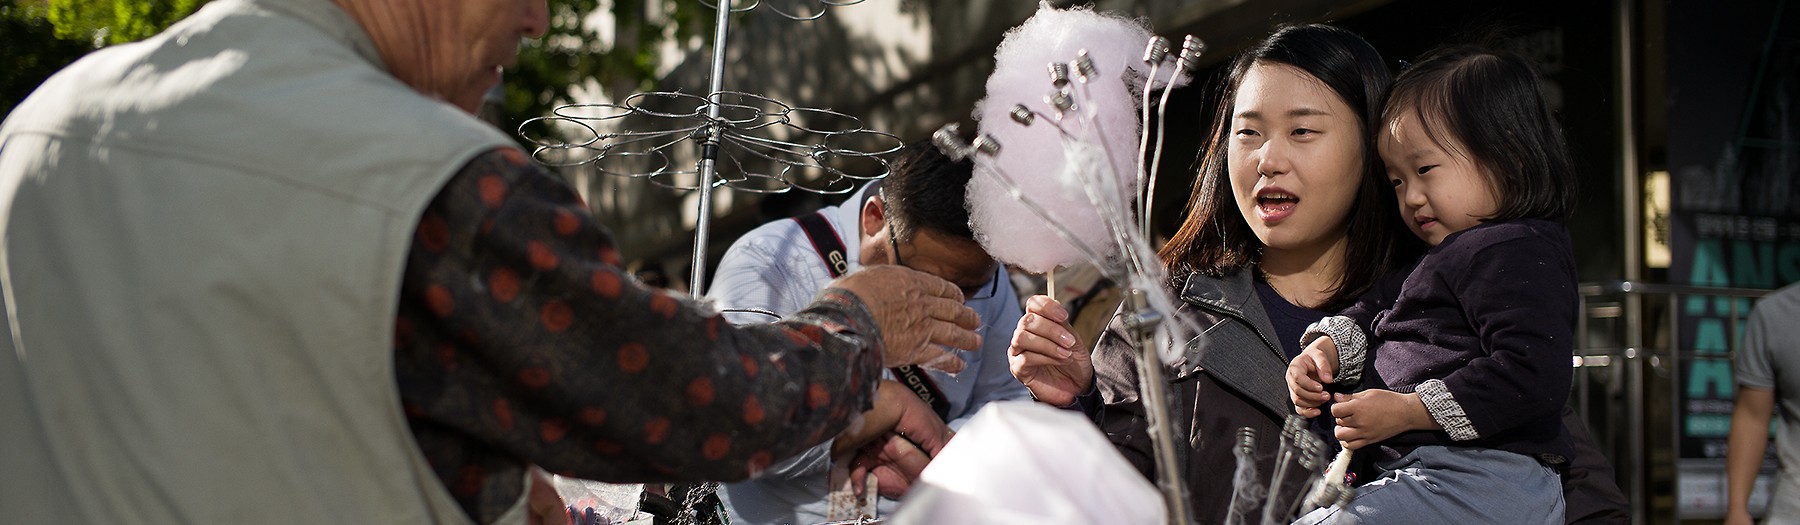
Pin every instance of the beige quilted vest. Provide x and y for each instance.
(204, 235)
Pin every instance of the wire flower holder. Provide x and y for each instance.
(744, 141)
(733, 139)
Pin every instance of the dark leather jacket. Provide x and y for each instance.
(1236, 382)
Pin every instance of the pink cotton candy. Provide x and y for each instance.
(1037, 157)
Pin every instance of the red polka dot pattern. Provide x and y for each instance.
(567, 223)
(606, 284)
(750, 367)
(814, 334)
(716, 447)
(593, 416)
(758, 462)
(503, 263)
(816, 396)
(493, 191)
(557, 316)
(553, 430)
(663, 305)
(438, 299)
(434, 233)
(542, 257)
(700, 392)
(797, 337)
(513, 157)
(753, 411)
(656, 430)
(503, 283)
(633, 357)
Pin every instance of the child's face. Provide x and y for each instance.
(1440, 192)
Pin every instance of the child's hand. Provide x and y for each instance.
(1308, 374)
(1372, 416)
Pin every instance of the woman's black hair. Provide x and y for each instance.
(1215, 238)
(1488, 106)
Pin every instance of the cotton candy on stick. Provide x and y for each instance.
(1038, 156)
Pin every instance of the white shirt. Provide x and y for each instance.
(776, 268)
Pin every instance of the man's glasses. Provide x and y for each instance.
(893, 245)
(970, 293)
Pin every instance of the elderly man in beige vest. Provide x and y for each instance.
(265, 267)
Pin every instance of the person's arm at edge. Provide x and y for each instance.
(1752, 411)
(592, 367)
(747, 277)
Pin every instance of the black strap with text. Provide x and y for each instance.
(831, 251)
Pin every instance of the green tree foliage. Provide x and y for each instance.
(109, 22)
(42, 36)
(30, 50)
(573, 52)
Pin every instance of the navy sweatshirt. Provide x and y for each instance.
(1482, 328)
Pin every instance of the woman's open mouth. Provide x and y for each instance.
(1273, 206)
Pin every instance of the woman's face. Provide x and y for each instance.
(1295, 158)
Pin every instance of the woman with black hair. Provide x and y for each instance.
(1291, 219)
(1284, 227)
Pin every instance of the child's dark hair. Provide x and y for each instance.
(1492, 104)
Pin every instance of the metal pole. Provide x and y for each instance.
(1152, 393)
(1581, 349)
(1633, 220)
(709, 152)
(1675, 393)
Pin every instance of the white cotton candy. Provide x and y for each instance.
(1083, 186)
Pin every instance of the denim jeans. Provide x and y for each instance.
(1453, 485)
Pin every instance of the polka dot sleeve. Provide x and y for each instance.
(519, 340)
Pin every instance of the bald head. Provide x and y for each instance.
(451, 50)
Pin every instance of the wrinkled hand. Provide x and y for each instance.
(895, 462)
(917, 312)
(1371, 416)
(894, 441)
(1308, 374)
(897, 411)
(1046, 355)
(545, 505)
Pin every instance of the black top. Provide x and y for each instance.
(1490, 312)
(1290, 320)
